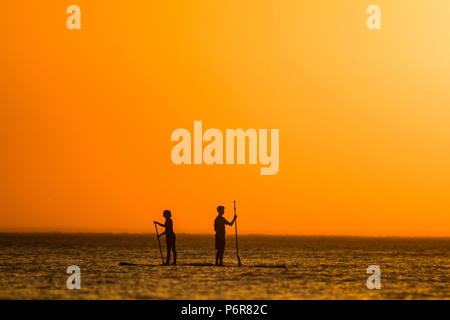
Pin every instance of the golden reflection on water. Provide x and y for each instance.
(33, 266)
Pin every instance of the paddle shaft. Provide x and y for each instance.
(235, 228)
(159, 243)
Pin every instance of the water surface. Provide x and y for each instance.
(33, 266)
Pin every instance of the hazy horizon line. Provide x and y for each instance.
(6, 231)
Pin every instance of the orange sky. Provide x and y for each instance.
(86, 116)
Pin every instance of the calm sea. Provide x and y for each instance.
(33, 266)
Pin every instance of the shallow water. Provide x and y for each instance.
(33, 266)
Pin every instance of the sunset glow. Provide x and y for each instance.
(86, 116)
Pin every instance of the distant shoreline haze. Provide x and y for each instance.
(230, 234)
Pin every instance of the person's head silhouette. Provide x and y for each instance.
(221, 210)
(167, 214)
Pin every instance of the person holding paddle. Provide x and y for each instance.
(219, 228)
(170, 236)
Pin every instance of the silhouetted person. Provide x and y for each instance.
(219, 227)
(170, 236)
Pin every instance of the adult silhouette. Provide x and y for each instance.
(219, 228)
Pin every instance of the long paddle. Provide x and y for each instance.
(159, 243)
(235, 228)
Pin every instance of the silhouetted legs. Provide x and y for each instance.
(171, 248)
(220, 249)
(219, 257)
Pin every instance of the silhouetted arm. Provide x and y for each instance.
(160, 224)
(161, 234)
(232, 221)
